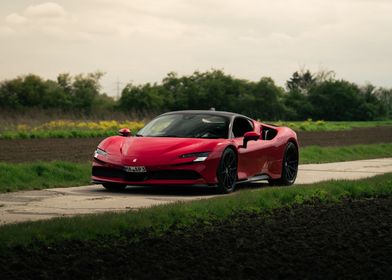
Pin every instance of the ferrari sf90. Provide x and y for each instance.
(198, 148)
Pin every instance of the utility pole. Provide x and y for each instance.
(118, 84)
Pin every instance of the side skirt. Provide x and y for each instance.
(261, 177)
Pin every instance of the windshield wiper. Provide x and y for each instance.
(168, 136)
(174, 136)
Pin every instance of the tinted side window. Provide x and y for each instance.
(241, 126)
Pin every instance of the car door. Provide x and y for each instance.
(251, 160)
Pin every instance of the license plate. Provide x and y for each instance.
(135, 169)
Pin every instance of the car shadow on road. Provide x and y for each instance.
(180, 190)
(252, 185)
(165, 191)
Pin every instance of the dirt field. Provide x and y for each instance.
(355, 136)
(81, 149)
(27, 150)
(336, 241)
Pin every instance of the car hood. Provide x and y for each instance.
(155, 150)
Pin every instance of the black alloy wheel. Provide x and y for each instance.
(289, 168)
(227, 171)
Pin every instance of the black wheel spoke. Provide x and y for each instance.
(228, 182)
(227, 172)
(288, 174)
(289, 166)
(291, 163)
(292, 168)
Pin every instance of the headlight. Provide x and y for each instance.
(198, 156)
(98, 151)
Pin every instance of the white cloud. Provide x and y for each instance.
(15, 18)
(48, 9)
(46, 19)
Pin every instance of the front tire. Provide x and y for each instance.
(113, 187)
(289, 167)
(227, 172)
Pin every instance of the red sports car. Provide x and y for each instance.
(198, 148)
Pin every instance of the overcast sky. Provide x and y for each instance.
(142, 40)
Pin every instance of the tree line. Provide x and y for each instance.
(77, 93)
(319, 96)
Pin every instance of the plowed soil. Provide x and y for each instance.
(355, 136)
(349, 240)
(81, 149)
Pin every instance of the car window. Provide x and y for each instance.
(241, 126)
(187, 126)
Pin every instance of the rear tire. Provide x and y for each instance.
(113, 187)
(227, 172)
(289, 167)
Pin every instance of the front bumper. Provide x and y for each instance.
(201, 173)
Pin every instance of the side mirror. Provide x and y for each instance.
(124, 132)
(250, 136)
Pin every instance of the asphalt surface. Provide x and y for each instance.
(60, 202)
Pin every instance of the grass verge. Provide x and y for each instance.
(316, 154)
(41, 175)
(310, 125)
(156, 220)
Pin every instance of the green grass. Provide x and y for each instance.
(156, 220)
(41, 175)
(310, 125)
(316, 154)
(60, 133)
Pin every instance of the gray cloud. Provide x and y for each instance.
(142, 40)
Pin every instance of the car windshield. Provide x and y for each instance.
(187, 126)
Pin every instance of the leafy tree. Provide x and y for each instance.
(54, 96)
(81, 90)
(307, 95)
(141, 98)
(31, 90)
(301, 82)
(201, 90)
(267, 103)
(9, 97)
(336, 100)
(296, 99)
(385, 97)
(296, 106)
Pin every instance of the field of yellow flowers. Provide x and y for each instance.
(320, 125)
(85, 129)
(69, 129)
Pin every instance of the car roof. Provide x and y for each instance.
(207, 112)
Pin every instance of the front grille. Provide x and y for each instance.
(118, 173)
(108, 172)
(175, 175)
(99, 171)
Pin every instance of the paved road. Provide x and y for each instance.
(45, 204)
